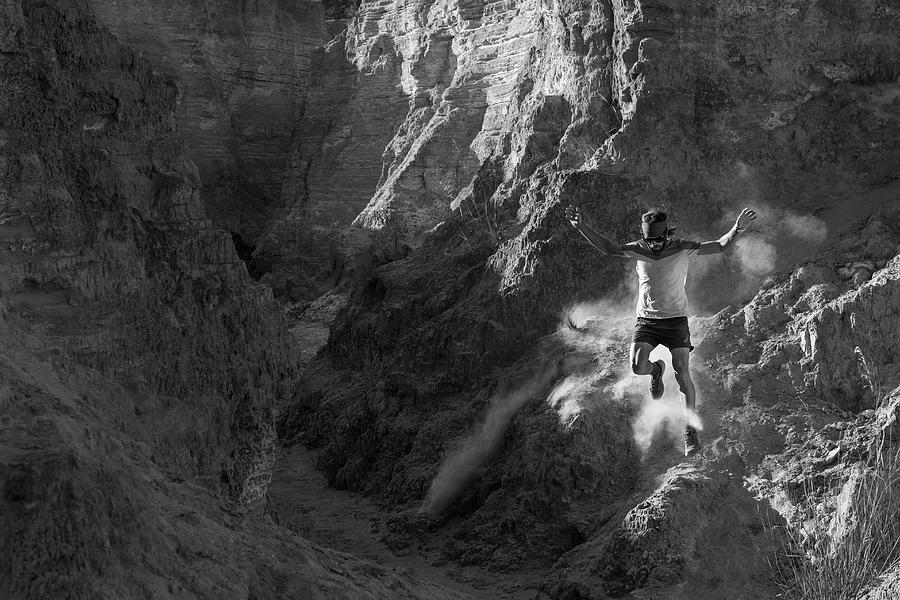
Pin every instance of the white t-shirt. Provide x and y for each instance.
(662, 277)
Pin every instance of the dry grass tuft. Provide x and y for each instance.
(845, 543)
(820, 567)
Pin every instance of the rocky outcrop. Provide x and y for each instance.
(820, 331)
(700, 531)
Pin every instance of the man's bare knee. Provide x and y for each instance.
(641, 367)
(683, 377)
(640, 359)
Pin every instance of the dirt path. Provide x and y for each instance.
(345, 521)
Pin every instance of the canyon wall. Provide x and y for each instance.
(110, 256)
(518, 110)
(141, 369)
(417, 157)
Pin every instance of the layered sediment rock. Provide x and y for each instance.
(702, 145)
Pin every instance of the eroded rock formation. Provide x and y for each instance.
(396, 178)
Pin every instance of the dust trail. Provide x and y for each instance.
(473, 455)
(578, 315)
(567, 398)
(807, 227)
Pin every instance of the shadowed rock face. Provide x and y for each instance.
(141, 369)
(110, 257)
(241, 72)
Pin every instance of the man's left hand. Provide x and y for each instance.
(743, 220)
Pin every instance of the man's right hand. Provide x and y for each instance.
(573, 214)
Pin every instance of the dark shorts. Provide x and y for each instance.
(671, 333)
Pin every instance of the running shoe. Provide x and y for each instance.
(656, 381)
(691, 441)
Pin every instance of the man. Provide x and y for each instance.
(662, 266)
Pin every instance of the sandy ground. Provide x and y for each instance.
(349, 522)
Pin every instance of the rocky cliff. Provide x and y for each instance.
(616, 107)
(425, 319)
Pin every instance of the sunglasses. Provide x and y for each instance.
(656, 240)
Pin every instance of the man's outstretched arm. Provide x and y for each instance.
(719, 245)
(601, 243)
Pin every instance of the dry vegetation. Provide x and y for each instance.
(850, 538)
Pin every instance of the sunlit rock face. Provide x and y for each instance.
(516, 110)
(530, 83)
(617, 107)
(412, 101)
(241, 77)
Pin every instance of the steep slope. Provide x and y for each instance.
(110, 258)
(615, 107)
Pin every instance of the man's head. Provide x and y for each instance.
(655, 230)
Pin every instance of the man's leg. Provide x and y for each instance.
(681, 364)
(640, 358)
(641, 365)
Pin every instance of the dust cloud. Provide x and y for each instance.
(808, 228)
(567, 398)
(579, 314)
(756, 256)
(655, 417)
(757, 250)
(468, 461)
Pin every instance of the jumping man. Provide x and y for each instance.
(662, 266)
